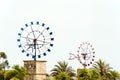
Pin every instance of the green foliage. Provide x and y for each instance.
(88, 74)
(84, 74)
(3, 55)
(62, 67)
(114, 75)
(9, 74)
(18, 73)
(1, 75)
(14, 78)
(62, 76)
(103, 68)
(3, 61)
(95, 75)
(48, 77)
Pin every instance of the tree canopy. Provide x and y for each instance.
(3, 60)
(62, 67)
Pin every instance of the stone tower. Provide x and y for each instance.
(35, 69)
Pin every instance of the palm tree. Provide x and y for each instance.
(83, 74)
(62, 76)
(88, 74)
(62, 67)
(103, 68)
(95, 75)
(114, 75)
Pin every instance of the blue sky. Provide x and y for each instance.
(71, 21)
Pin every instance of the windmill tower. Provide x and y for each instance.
(36, 70)
(35, 39)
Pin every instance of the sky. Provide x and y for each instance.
(71, 21)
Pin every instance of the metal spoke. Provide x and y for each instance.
(33, 32)
(35, 39)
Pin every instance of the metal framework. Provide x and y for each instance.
(35, 39)
(85, 54)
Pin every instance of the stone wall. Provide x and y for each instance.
(36, 70)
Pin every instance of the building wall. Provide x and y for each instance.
(36, 70)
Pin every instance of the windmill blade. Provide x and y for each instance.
(72, 56)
